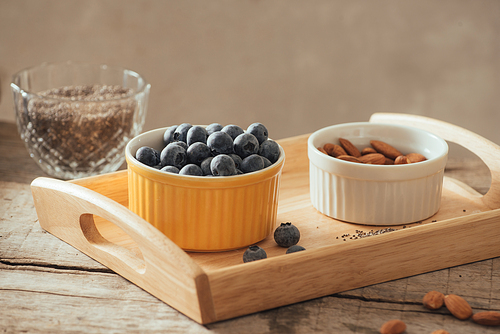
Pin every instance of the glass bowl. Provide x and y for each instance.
(76, 118)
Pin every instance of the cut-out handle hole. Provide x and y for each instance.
(110, 238)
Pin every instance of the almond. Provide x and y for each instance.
(401, 160)
(348, 158)
(388, 161)
(415, 157)
(322, 150)
(385, 149)
(433, 300)
(488, 318)
(393, 327)
(440, 331)
(368, 150)
(458, 306)
(373, 159)
(349, 147)
(334, 150)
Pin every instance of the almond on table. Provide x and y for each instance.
(433, 300)
(458, 306)
(487, 318)
(395, 326)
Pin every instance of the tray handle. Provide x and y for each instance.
(162, 268)
(486, 150)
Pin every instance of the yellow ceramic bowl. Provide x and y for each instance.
(203, 213)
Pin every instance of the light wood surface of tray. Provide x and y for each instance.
(91, 214)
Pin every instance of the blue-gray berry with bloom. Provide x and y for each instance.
(245, 145)
(270, 150)
(198, 152)
(295, 248)
(168, 135)
(147, 156)
(180, 133)
(214, 127)
(220, 143)
(196, 134)
(173, 155)
(232, 130)
(191, 169)
(222, 165)
(259, 131)
(237, 160)
(254, 253)
(286, 235)
(170, 169)
(252, 163)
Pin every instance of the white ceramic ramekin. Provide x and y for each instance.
(377, 194)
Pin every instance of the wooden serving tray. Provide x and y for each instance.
(91, 214)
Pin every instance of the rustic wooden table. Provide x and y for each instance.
(48, 286)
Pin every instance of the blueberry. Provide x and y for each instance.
(191, 169)
(237, 160)
(270, 150)
(180, 143)
(267, 163)
(222, 165)
(173, 155)
(147, 156)
(180, 134)
(286, 235)
(168, 135)
(196, 134)
(246, 144)
(259, 131)
(170, 169)
(294, 248)
(220, 143)
(214, 127)
(205, 166)
(197, 152)
(254, 253)
(252, 163)
(232, 130)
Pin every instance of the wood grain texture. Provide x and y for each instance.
(444, 240)
(48, 280)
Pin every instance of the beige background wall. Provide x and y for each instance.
(295, 66)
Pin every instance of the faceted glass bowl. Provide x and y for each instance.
(76, 118)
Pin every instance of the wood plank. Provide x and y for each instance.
(64, 309)
(227, 278)
(41, 301)
(30, 250)
(163, 269)
(12, 146)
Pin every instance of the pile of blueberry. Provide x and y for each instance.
(286, 235)
(214, 150)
